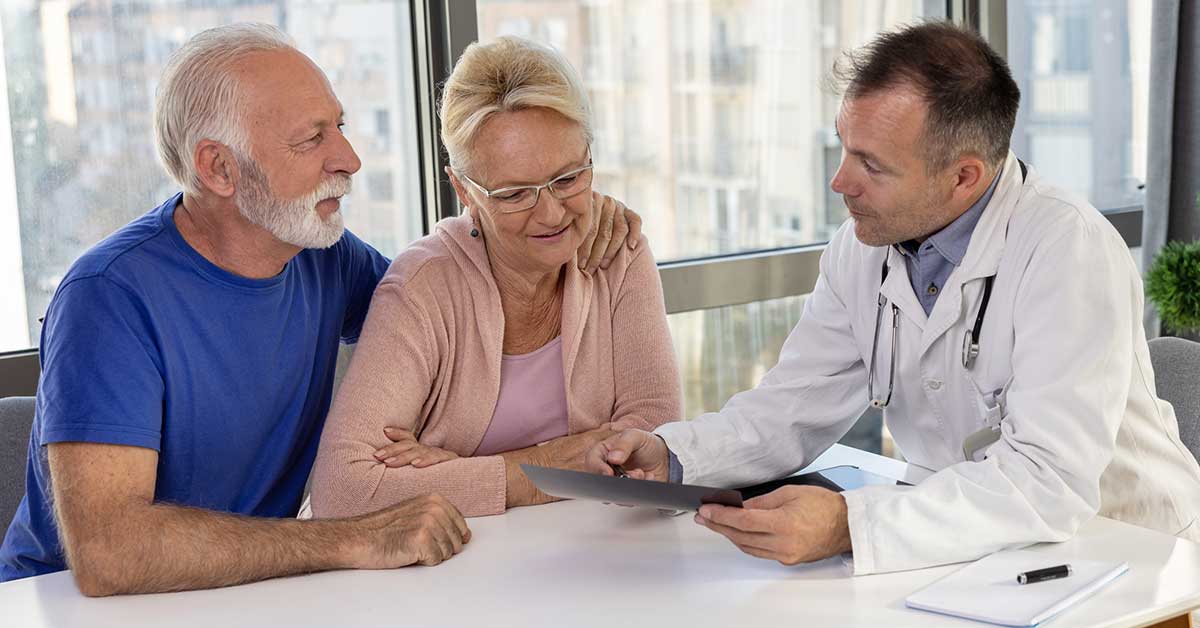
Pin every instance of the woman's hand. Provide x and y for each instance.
(405, 450)
(566, 452)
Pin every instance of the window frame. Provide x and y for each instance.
(442, 29)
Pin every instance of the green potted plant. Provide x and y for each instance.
(1173, 286)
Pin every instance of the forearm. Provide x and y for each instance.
(163, 547)
(519, 490)
(354, 485)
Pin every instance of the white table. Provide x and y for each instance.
(587, 564)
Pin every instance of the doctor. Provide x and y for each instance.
(994, 317)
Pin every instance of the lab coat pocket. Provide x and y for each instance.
(990, 411)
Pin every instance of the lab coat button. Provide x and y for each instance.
(934, 384)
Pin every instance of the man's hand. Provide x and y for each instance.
(612, 225)
(117, 539)
(641, 454)
(405, 450)
(794, 524)
(425, 530)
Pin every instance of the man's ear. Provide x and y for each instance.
(969, 172)
(216, 167)
(459, 189)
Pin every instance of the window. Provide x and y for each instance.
(742, 344)
(731, 125)
(78, 80)
(730, 148)
(1083, 68)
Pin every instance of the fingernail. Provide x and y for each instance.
(633, 244)
(415, 462)
(388, 430)
(378, 454)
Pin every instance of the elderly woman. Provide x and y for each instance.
(485, 346)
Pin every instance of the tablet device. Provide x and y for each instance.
(842, 478)
(666, 495)
(627, 491)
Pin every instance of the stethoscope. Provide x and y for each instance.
(970, 339)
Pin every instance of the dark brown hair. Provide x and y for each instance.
(969, 89)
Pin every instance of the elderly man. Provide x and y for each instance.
(188, 359)
(996, 319)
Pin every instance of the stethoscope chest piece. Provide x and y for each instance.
(970, 350)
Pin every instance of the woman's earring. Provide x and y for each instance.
(474, 224)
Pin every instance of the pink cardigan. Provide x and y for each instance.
(428, 361)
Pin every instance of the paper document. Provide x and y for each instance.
(987, 590)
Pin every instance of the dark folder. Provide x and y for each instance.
(631, 492)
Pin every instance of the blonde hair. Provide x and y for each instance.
(508, 74)
(199, 97)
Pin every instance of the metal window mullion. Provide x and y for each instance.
(986, 17)
(442, 29)
(703, 284)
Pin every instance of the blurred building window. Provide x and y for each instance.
(725, 121)
(1083, 68)
(78, 77)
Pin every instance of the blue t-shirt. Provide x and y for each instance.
(147, 343)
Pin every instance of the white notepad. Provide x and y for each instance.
(987, 589)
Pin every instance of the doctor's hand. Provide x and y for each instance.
(794, 524)
(641, 454)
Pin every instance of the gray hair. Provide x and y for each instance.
(509, 74)
(198, 96)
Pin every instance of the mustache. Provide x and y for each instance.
(332, 187)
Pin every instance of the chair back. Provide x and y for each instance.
(1177, 377)
(16, 420)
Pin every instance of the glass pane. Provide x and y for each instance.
(710, 117)
(726, 350)
(79, 162)
(1083, 68)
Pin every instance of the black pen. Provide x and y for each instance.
(1042, 575)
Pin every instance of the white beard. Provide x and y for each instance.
(293, 221)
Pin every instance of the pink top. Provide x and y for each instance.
(532, 407)
(429, 361)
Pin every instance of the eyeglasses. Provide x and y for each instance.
(520, 198)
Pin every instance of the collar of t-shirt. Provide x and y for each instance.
(930, 262)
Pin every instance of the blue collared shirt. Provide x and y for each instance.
(930, 262)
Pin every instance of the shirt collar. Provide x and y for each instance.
(951, 242)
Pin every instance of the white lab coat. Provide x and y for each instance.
(1082, 431)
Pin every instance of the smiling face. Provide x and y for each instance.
(300, 163)
(528, 147)
(883, 178)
